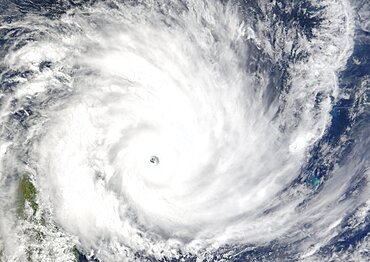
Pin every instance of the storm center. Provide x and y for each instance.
(154, 160)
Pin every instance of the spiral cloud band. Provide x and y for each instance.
(172, 129)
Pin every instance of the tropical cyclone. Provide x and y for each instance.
(155, 129)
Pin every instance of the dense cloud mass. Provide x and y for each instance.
(186, 130)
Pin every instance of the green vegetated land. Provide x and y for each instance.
(76, 254)
(26, 194)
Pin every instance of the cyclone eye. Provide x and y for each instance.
(154, 160)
